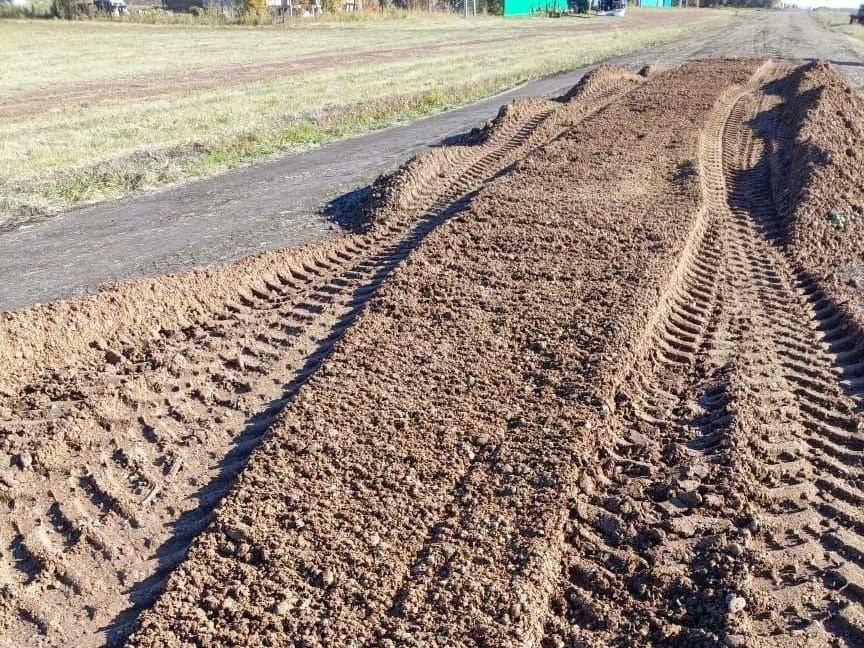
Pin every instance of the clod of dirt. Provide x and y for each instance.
(651, 70)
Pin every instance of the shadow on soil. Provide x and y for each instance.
(350, 210)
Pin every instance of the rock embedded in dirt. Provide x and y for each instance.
(690, 498)
(735, 641)
(25, 460)
(735, 604)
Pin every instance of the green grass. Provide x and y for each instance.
(84, 152)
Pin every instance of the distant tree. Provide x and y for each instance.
(255, 9)
(67, 9)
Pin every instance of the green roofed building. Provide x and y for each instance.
(528, 7)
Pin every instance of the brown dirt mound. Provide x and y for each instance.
(400, 188)
(599, 78)
(415, 492)
(824, 129)
(821, 167)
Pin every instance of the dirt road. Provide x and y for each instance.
(273, 205)
(589, 379)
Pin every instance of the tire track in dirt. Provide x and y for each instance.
(807, 576)
(488, 341)
(660, 466)
(446, 559)
(718, 503)
(725, 506)
(117, 472)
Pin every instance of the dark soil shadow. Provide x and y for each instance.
(350, 211)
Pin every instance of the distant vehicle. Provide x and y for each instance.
(90, 7)
(857, 17)
(116, 7)
(611, 7)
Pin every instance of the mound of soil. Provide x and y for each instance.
(394, 192)
(415, 491)
(821, 168)
(825, 124)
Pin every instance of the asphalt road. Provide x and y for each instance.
(279, 203)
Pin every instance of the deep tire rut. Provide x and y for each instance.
(724, 509)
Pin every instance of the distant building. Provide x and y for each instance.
(186, 5)
(528, 7)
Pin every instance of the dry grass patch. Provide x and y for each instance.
(130, 107)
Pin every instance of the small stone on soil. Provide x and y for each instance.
(735, 604)
(691, 499)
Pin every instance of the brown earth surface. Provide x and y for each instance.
(591, 378)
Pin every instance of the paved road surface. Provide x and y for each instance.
(278, 204)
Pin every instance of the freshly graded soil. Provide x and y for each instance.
(590, 378)
(127, 414)
(417, 488)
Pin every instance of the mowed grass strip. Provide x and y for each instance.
(86, 151)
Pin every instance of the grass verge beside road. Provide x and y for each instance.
(95, 111)
(838, 20)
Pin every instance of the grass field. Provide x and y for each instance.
(97, 110)
(838, 20)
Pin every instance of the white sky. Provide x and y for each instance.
(833, 4)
